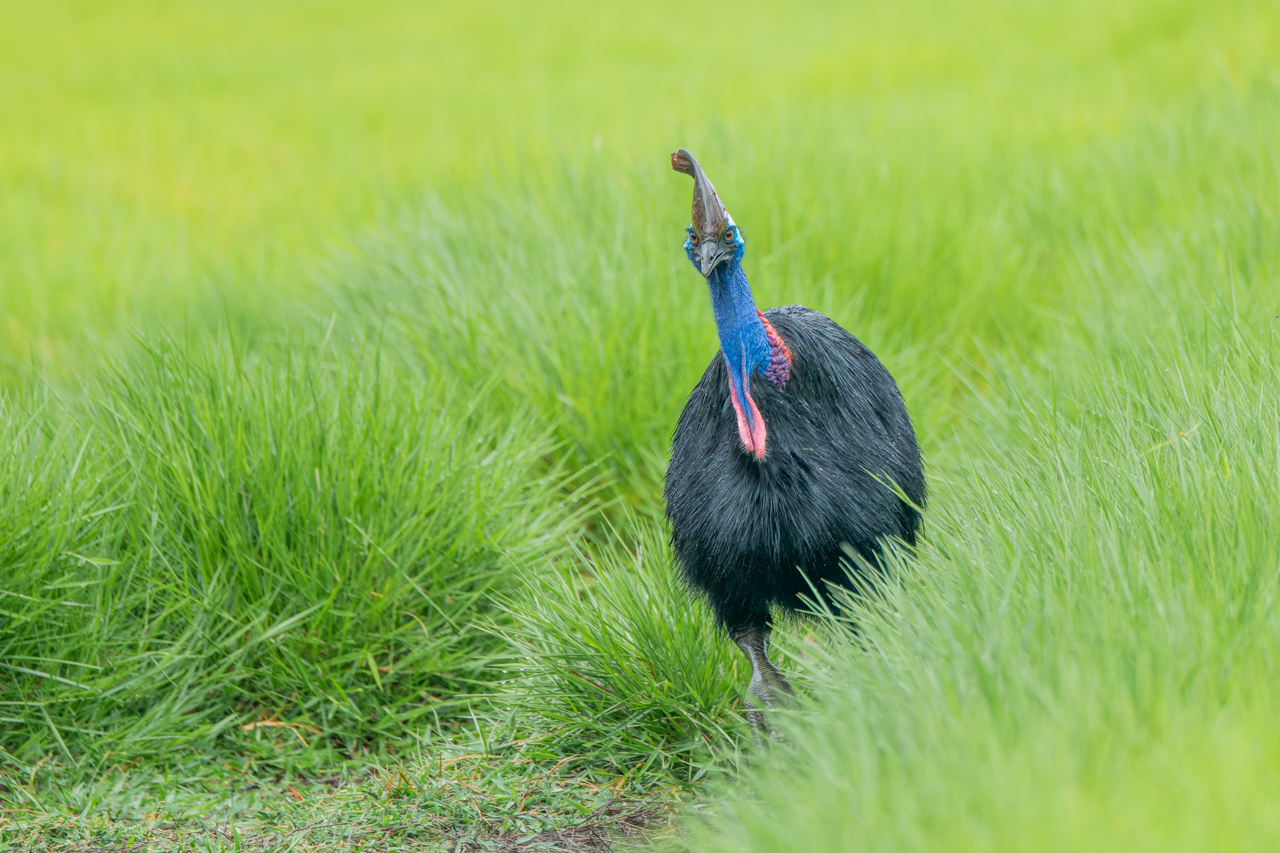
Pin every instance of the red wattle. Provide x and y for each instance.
(753, 435)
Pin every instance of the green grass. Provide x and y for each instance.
(610, 656)
(342, 348)
(1083, 657)
(288, 537)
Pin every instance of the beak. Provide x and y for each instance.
(710, 253)
(709, 215)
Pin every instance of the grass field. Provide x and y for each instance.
(341, 350)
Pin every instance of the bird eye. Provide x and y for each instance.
(693, 237)
(728, 235)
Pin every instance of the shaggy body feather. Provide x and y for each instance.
(749, 531)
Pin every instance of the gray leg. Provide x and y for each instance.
(768, 687)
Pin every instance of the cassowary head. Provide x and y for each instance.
(713, 239)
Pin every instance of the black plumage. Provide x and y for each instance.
(748, 532)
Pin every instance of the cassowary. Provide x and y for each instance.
(786, 458)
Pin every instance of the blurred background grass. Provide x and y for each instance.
(198, 160)
(342, 346)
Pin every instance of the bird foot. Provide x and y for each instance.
(768, 688)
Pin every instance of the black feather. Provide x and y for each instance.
(747, 532)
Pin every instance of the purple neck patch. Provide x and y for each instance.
(779, 369)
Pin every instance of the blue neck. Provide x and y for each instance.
(742, 335)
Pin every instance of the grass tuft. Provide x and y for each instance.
(279, 552)
(614, 666)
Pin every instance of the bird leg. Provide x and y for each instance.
(768, 686)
